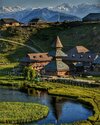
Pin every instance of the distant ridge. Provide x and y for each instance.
(48, 15)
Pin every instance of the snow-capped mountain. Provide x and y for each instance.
(6, 9)
(49, 15)
(59, 13)
(80, 10)
(44, 13)
(18, 15)
(63, 7)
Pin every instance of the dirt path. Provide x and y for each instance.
(21, 44)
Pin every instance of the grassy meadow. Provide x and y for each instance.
(18, 112)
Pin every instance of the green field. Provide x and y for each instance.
(19, 112)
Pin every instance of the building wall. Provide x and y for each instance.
(56, 73)
(13, 24)
(39, 65)
(61, 73)
(6, 25)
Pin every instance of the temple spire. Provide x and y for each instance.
(57, 43)
(57, 66)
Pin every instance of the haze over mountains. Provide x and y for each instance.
(59, 13)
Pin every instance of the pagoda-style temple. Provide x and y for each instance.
(57, 67)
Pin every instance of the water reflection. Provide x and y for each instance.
(62, 110)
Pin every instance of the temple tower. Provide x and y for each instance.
(57, 67)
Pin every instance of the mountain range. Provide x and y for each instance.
(52, 14)
(80, 10)
(46, 14)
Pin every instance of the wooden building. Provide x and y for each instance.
(57, 63)
(92, 17)
(81, 57)
(36, 60)
(9, 22)
(80, 54)
(57, 67)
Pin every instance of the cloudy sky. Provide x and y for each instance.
(44, 3)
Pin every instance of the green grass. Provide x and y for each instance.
(19, 112)
(9, 79)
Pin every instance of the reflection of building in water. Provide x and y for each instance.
(57, 108)
(55, 102)
(37, 93)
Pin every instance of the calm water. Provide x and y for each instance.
(62, 110)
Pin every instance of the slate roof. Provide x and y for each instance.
(78, 64)
(97, 59)
(78, 49)
(57, 43)
(57, 46)
(80, 53)
(36, 57)
(57, 65)
(57, 53)
(92, 17)
(9, 20)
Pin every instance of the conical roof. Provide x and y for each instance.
(57, 43)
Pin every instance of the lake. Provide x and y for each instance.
(61, 109)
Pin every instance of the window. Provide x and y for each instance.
(41, 56)
(73, 55)
(81, 56)
(89, 56)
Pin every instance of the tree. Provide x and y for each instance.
(29, 73)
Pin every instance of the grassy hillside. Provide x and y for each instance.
(41, 37)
